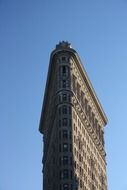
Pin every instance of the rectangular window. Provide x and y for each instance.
(98, 130)
(65, 134)
(65, 147)
(75, 164)
(65, 160)
(65, 174)
(93, 119)
(74, 83)
(89, 112)
(65, 186)
(80, 158)
(64, 97)
(96, 123)
(82, 99)
(64, 83)
(64, 109)
(63, 70)
(80, 183)
(64, 121)
(78, 91)
(86, 106)
(60, 174)
(71, 174)
(63, 58)
(71, 186)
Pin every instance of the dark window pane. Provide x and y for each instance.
(65, 147)
(65, 186)
(64, 97)
(71, 174)
(63, 69)
(74, 83)
(82, 99)
(64, 121)
(64, 109)
(65, 174)
(64, 83)
(86, 106)
(63, 58)
(78, 91)
(65, 134)
(65, 160)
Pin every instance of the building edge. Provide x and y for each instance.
(84, 75)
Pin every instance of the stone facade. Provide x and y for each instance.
(72, 123)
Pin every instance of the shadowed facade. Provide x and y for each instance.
(72, 123)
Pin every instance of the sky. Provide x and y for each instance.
(29, 31)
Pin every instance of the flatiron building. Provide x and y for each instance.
(72, 123)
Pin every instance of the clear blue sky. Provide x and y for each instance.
(29, 30)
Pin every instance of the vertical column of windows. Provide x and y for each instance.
(65, 146)
(64, 133)
(87, 108)
(64, 74)
(85, 105)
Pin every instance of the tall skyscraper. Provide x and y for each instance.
(72, 123)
